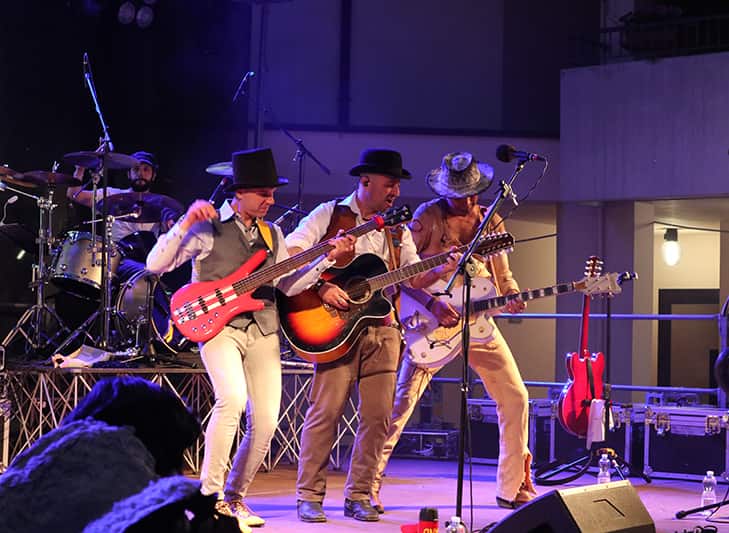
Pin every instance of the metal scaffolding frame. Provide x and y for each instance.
(33, 401)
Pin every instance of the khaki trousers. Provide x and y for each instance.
(371, 365)
(495, 365)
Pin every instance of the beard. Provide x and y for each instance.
(140, 185)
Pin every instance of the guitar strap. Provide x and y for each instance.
(392, 235)
(265, 231)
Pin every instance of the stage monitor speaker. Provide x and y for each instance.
(605, 508)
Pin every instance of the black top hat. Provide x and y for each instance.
(380, 161)
(254, 168)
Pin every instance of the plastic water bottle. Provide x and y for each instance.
(455, 525)
(708, 492)
(603, 476)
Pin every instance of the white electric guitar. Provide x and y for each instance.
(432, 345)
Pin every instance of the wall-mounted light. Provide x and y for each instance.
(671, 250)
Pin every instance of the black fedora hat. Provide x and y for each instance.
(380, 161)
(254, 168)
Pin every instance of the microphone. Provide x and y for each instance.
(12, 199)
(223, 182)
(241, 86)
(507, 153)
(87, 68)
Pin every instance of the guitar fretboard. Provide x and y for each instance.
(261, 277)
(501, 301)
(489, 246)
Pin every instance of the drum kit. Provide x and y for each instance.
(132, 309)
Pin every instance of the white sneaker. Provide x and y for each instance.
(243, 512)
(226, 509)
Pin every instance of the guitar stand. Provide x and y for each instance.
(578, 467)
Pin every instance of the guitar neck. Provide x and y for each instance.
(394, 277)
(490, 246)
(500, 301)
(585, 324)
(261, 277)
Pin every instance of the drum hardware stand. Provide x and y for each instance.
(101, 170)
(32, 318)
(104, 312)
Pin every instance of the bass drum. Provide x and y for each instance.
(131, 308)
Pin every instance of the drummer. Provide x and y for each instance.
(141, 176)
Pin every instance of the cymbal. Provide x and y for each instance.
(7, 171)
(12, 177)
(149, 206)
(90, 159)
(43, 177)
(224, 168)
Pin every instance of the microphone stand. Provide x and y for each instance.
(102, 171)
(301, 152)
(223, 183)
(505, 191)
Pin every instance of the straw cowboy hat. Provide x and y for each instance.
(460, 175)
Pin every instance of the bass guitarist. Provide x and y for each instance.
(243, 360)
(452, 220)
(371, 362)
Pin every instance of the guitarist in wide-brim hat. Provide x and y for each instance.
(452, 219)
(371, 357)
(243, 359)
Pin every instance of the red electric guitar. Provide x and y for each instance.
(201, 310)
(585, 372)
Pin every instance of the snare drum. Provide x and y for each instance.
(76, 266)
(131, 308)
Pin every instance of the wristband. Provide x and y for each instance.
(318, 284)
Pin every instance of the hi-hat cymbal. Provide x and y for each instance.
(89, 159)
(43, 177)
(146, 205)
(224, 168)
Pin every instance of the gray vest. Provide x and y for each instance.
(230, 251)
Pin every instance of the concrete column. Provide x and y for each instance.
(621, 233)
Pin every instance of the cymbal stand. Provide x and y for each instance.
(31, 324)
(101, 169)
(104, 312)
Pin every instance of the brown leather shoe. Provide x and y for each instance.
(310, 511)
(377, 503)
(360, 510)
(508, 504)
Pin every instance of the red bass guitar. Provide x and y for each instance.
(201, 310)
(585, 372)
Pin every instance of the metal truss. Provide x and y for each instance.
(34, 401)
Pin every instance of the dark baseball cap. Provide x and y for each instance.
(145, 157)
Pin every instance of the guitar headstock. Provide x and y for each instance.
(627, 276)
(605, 284)
(593, 266)
(395, 216)
(495, 243)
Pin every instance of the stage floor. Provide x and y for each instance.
(415, 483)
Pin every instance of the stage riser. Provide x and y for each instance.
(35, 401)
